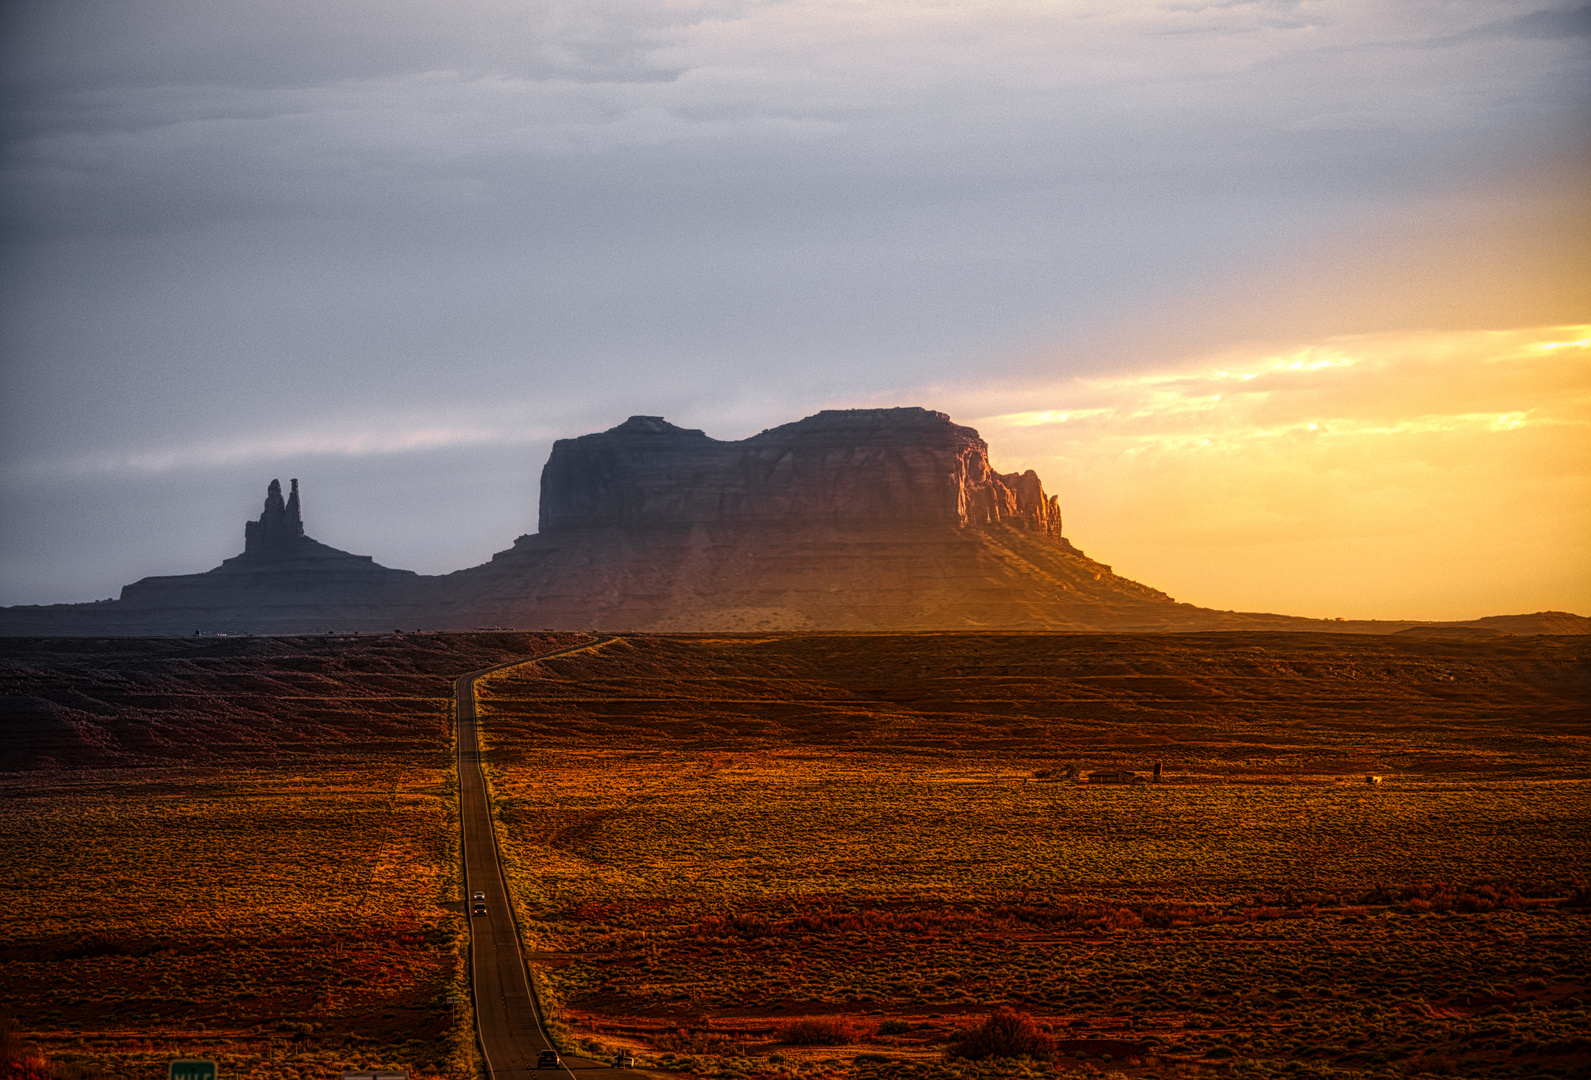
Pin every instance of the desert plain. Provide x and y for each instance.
(807, 855)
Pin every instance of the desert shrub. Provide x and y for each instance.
(816, 1031)
(74, 1070)
(17, 1058)
(686, 1041)
(94, 945)
(23, 1061)
(746, 925)
(894, 1027)
(1004, 1033)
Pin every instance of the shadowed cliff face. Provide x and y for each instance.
(855, 468)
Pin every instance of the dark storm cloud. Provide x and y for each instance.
(241, 235)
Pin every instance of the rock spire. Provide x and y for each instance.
(281, 525)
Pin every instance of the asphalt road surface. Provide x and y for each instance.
(507, 1016)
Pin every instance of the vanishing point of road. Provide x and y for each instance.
(508, 1017)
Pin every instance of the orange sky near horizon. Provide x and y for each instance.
(1397, 425)
(1434, 475)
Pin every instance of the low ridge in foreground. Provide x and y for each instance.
(859, 519)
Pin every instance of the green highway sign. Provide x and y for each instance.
(191, 1070)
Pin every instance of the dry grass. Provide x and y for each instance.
(241, 850)
(719, 837)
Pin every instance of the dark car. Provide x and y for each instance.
(548, 1060)
(478, 909)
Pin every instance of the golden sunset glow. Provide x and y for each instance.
(800, 539)
(1434, 475)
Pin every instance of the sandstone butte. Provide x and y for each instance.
(862, 520)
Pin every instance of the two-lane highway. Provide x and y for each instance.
(507, 1016)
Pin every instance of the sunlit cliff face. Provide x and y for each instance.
(1412, 474)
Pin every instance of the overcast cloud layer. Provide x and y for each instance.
(396, 248)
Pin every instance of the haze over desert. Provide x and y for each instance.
(801, 540)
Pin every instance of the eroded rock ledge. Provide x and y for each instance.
(848, 468)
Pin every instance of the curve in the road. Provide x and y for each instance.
(508, 1018)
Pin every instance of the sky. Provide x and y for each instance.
(1287, 301)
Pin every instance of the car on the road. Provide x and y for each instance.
(477, 896)
(478, 909)
(623, 1060)
(548, 1059)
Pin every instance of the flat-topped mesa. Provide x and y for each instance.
(853, 468)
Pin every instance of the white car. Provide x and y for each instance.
(623, 1060)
